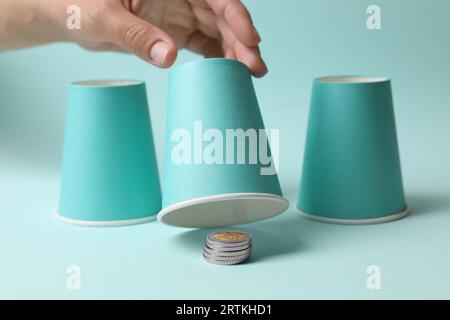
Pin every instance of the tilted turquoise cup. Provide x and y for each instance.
(109, 171)
(215, 171)
(351, 170)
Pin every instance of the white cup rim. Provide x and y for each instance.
(351, 79)
(263, 205)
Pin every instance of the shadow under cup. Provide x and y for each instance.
(351, 170)
(109, 171)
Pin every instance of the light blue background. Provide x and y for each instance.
(293, 257)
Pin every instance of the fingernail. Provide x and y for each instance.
(159, 52)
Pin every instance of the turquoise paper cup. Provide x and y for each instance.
(351, 170)
(205, 183)
(109, 171)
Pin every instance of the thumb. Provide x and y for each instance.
(141, 38)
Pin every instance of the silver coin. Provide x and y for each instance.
(228, 248)
(228, 238)
(232, 259)
(225, 258)
(224, 262)
(224, 253)
(227, 253)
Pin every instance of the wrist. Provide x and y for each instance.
(48, 20)
(26, 23)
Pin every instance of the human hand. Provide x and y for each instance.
(154, 30)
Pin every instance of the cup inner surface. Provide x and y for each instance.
(107, 83)
(351, 79)
(223, 210)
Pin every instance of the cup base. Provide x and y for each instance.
(223, 210)
(391, 217)
(111, 223)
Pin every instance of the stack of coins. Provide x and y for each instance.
(227, 247)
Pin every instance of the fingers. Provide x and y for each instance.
(141, 38)
(239, 37)
(238, 19)
(200, 43)
(235, 49)
(251, 57)
(206, 21)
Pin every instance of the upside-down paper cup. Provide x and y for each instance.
(109, 171)
(218, 169)
(351, 171)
